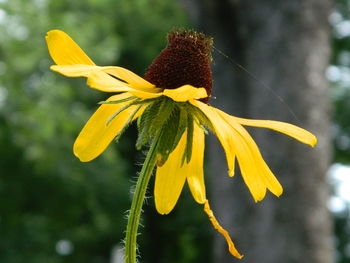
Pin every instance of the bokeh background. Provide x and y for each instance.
(56, 209)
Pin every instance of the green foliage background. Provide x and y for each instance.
(339, 77)
(46, 194)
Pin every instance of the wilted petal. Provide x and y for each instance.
(221, 230)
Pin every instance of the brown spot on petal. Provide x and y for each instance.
(185, 60)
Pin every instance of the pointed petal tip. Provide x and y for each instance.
(54, 34)
(53, 31)
(279, 193)
(81, 158)
(231, 173)
(313, 141)
(54, 68)
(84, 160)
(162, 210)
(64, 50)
(258, 198)
(310, 139)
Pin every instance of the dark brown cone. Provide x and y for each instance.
(185, 60)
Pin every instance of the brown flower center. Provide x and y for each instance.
(185, 60)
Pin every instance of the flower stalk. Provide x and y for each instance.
(137, 201)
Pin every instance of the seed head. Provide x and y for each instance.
(185, 60)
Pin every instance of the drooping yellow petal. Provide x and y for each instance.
(218, 227)
(97, 79)
(223, 130)
(100, 80)
(170, 179)
(131, 78)
(123, 76)
(291, 130)
(97, 134)
(234, 142)
(194, 169)
(64, 51)
(185, 93)
(126, 81)
(77, 70)
(264, 175)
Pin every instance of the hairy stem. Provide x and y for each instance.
(137, 202)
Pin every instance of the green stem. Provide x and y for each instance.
(137, 202)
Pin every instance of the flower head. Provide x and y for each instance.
(185, 60)
(170, 103)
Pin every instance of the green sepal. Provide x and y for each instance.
(127, 124)
(189, 141)
(181, 127)
(136, 102)
(118, 101)
(168, 134)
(144, 123)
(152, 120)
(164, 111)
(201, 118)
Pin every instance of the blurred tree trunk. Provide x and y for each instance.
(285, 45)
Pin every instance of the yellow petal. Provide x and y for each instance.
(223, 130)
(97, 79)
(194, 169)
(216, 225)
(170, 179)
(256, 173)
(185, 93)
(131, 78)
(64, 51)
(291, 130)
(96, 134)
(77, 70)
(100, 80)
(140, 111)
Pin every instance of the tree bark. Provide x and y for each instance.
(286, 46)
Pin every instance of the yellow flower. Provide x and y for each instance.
(183, 161)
